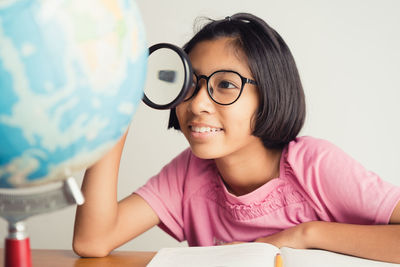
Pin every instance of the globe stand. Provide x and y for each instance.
(17, 206)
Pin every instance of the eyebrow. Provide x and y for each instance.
(196, 72)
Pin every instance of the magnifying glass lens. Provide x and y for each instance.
(165, 76)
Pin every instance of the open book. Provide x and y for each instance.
(255, 255)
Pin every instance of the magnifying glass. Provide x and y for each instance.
(169, 76)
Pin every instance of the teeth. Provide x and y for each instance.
(204, 129)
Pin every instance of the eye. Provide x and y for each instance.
(226, 81)
(211, 90)
(224, 84)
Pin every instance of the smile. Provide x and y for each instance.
(204, 129)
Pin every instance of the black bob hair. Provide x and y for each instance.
(282, 109)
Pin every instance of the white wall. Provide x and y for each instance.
(348, 54)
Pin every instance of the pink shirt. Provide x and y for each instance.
(318, 181)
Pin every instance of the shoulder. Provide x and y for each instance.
(307, 149)
(307, 159)
(314, 163)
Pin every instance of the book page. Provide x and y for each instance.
(318, 258)
(238, 255)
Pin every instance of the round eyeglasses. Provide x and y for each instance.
(223, 86)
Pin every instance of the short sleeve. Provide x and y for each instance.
(339, 187)
(164, 193)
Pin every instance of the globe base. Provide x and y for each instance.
(17, 251)
(17, 206)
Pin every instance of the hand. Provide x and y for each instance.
(294, 237)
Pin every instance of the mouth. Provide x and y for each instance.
(204, 129)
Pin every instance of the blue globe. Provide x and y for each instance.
(71, 78)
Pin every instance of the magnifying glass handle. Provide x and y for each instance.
(18, 253)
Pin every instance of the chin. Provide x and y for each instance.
(204, 152)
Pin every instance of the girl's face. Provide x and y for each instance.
(214, 130)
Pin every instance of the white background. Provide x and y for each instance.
(348, 55)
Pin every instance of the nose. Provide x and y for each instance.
(201, 102)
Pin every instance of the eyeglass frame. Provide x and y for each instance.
(207, 78)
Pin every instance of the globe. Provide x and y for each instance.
(71, 78)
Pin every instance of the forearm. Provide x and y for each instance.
(377, 242)
(96, 215)
(96, 218)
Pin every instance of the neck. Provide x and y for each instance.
(246, 170)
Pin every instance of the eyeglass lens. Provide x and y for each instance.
(223, 86)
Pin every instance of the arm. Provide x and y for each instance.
(102, 223)
(339, 187)
(376, 242)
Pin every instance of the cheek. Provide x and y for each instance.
(239, 124)
(252, 116)
(253, 121)
(180, 112)
(244, 119)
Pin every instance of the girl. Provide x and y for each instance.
(246, 176)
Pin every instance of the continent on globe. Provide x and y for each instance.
(71, 77)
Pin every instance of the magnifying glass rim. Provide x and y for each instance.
(188, 73)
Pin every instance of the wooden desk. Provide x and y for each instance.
(67, 258)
